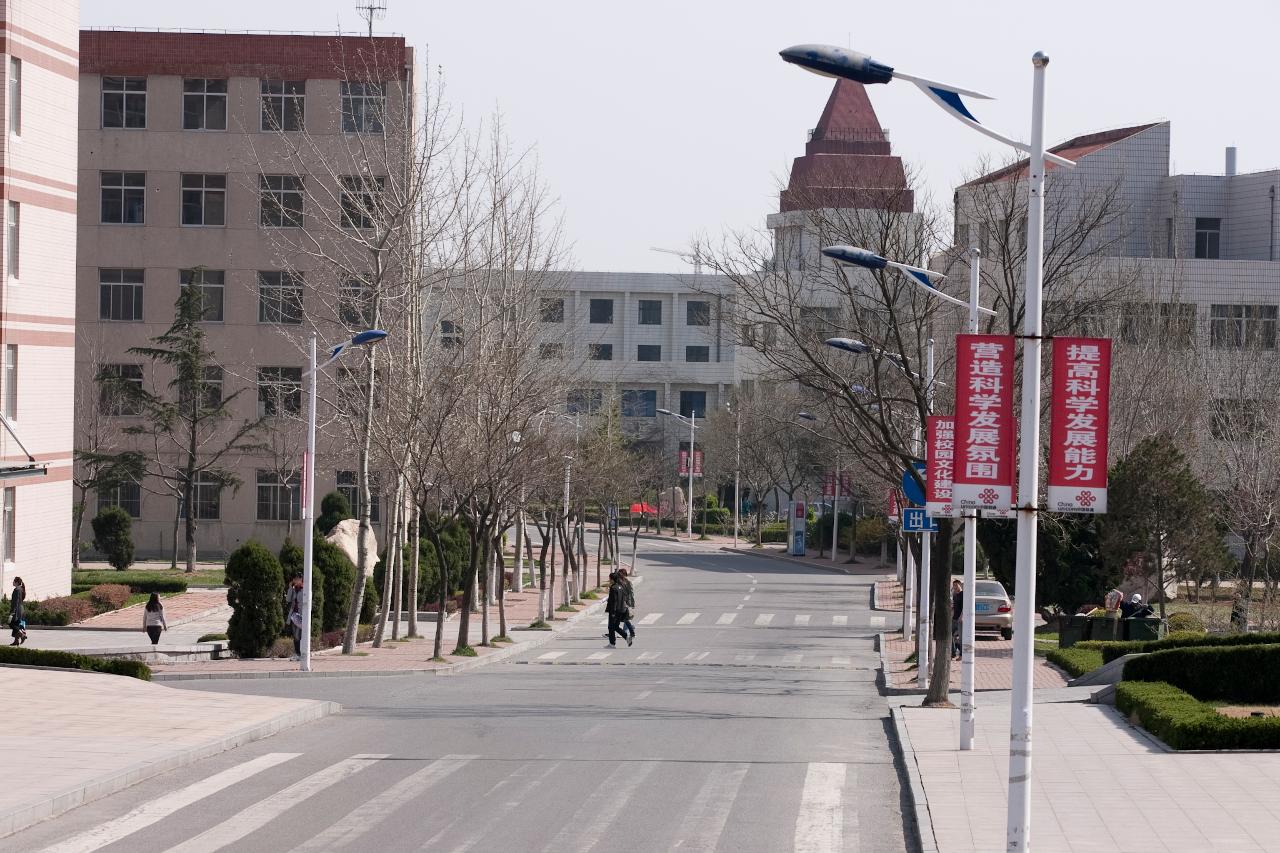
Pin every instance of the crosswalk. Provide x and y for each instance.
(710, 657)
(761, 620)
(708, 805)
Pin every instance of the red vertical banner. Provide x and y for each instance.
(683, 468)
(893, 506)
(984, 463)
(940, 467)
(1081, 396)
(697, 463)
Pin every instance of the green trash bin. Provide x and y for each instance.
(1143, 629)
(1071, 630)
(1104, 628)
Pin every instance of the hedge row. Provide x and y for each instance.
(1247, 674)
(1184, 722)
(1182, 640)
(67, 660)
(1075, 661)
(136, 581)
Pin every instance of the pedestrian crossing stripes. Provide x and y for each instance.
(726, 618)
(711, 657)
(370, 814)
(598, 655)
(799, 620)
(764, 619)
(649, 656)
(802, 618)
(688, 619)
(696, 655)
(650, 618)
(551, 655)
(839, 620)
(877, 621)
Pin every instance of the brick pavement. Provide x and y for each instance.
(889, 595)
(178, 609)
(992, 665)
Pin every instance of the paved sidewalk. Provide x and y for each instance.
(992, 665)
(72, 737)
(178, 610)
(1100, 784)
(889, 595)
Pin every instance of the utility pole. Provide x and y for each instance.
(372, 10)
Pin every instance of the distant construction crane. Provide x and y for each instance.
(692, 257)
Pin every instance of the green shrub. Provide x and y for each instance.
(61, 610)
(1248, 674)
(334, 507)
(1185, 640)
(137, 581)
(1075, 661)
(67, 660)
(1184, 722)
(291, 558)
(369, 606)
(1185, 623)
(256, 593)
(338, 574)
(113, 537)
(211, 638)
(109, 596)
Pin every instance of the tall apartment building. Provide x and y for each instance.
(37, 292)
(184, 178)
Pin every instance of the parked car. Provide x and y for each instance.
(992, 609)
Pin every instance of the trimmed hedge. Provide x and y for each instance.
(1248, 674)
(1184, 722)
(67, 660)
(136, 581)
(1075, 660)
(1182, 640)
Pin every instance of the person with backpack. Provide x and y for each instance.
(614, 605)
(17, 624)
(153, 619)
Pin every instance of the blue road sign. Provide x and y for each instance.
(916, 520)
(913, 490)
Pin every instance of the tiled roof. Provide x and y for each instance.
(1072, 149)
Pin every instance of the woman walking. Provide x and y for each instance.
(17, 625)
(153, 619)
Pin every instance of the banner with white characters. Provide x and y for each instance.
(1081, 396)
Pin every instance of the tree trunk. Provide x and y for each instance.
(413, 578)
(600, 551)
(940, 603)
(502, 585)
(550, 588)
(469, 587)
(77, 524)
(366, 527)
(387, 593)
(542, 568)
(177, 525)
(486, 569)
(442, 595)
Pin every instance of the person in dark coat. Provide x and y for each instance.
(957, 613)
(614, 605)
(628, 606)
(17, 625)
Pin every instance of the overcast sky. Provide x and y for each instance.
(660, 120)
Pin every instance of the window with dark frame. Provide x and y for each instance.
(11, 381)
(210, 389)
(127, 496)
(1208, 237)
(279, 391)
(13, 239)
(650, 312)
(360, 200)
(551, 310)
(648, 352)
(548, 352)
(639, 403)
(9, 519)
(278, 498)
(279, 297)
(697, 313)
(204, 104)
(1243, 326)
(584, 401)
(206, 497)
(693, 403)
(124, 102)
(120, 295)
(211, 284)
(600, 352)
(114, 399)
(283, 104)
(348, 484)
(363, 107)
(601, 311)
(355, 308)
(204, 199)
(697, 354)
(281, 201)
(124, 198)
(450, 334)
(15, 96)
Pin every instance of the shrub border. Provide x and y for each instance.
(1184, 723)
(69, 660)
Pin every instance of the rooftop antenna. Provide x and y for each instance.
(371, 10)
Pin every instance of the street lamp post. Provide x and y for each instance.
(832, 61)
(692, 421)
(363, 339)
(737, 466)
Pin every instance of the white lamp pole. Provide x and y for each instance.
(924, 617)
(835, 512)
(693, 418)
(737, 469)
(967, 627)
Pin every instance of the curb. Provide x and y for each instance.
(54, 805)
(882, 674)
(770, 555)
(926, 842)
(450, 669)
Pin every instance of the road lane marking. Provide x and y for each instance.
(877, 621)
(591, 822)
(551, 655)
(157, 810)
(650, 618)
(644, 695)
(746, 598)
(696, 655)
(744, 658)
(764, 619)
(820, 822)
(688, 619)
(265, 811)
(839, 620)
(726, 618)
(372, 813)
(841, 661)
(704, 824)
(598, 655)
(802, 619)
(501, 799)
(649, 655)
(791, 660)
(740, 606)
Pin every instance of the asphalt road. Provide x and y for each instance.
(745, 718)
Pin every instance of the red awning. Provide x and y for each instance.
(644, 509)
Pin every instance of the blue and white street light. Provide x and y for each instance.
(853, 256)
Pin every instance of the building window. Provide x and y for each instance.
(349, 487)
(279, 297)
(450, 334)
(639, 404)
(1208, 238)
(584, 401)
(211, 285)
(551, 310)
(360, 199)
(278, 498)
(693, 404)
(648, 352)
(1235, 419)
(697, 313)
(363, 107)
(281, 200)
(13, 239)
(279, 391)
(1242, 326)
(204, 199)
(124, 102)
(11, 381)
(206, 497)
(650, 312)
(124, 198)
(697, 354)
(549, 352)
(204, 104)
(962, 235)
(210, 389)
(355, 308)
(127, 496)
(1169, 245)
(15, 96)
(600, 352)
(120, 384)
(10, 526)
(1170, 323)
(120, 295)
(601, 310)
(283, 104)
